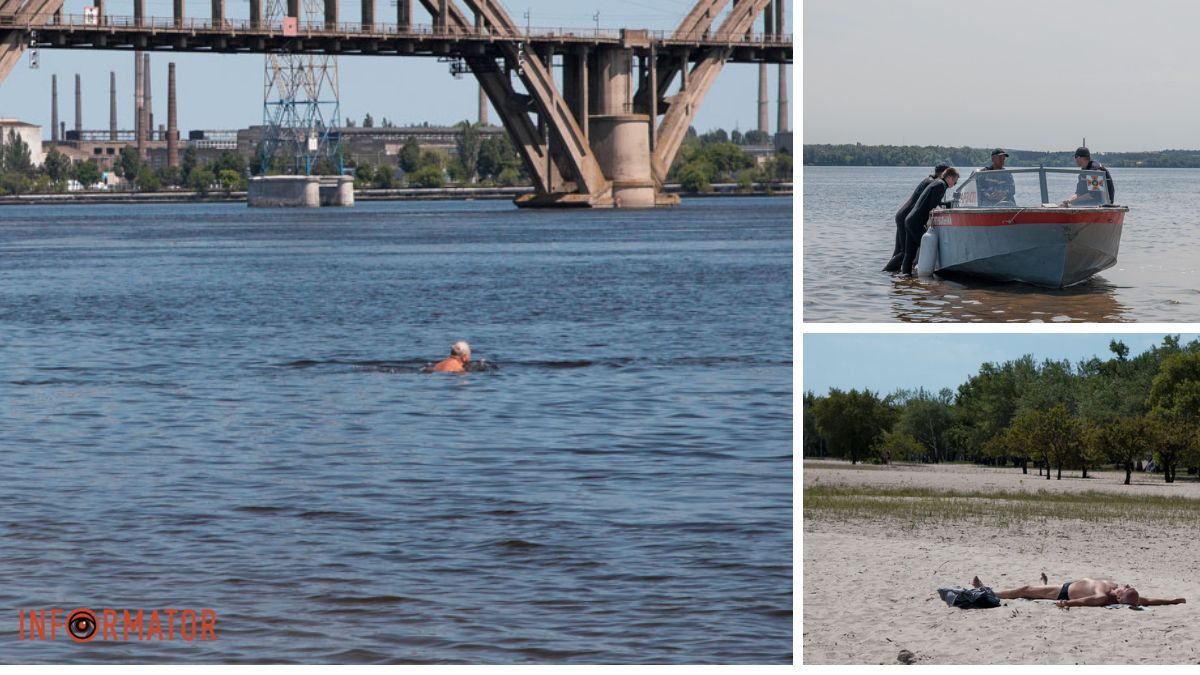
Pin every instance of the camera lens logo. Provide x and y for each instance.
(81, 624)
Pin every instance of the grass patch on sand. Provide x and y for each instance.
(911, 506)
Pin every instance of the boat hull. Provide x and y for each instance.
(1052, 247)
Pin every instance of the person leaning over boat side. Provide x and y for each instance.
(898, 252)
(914, 223)
(1084, 196)
(997, 189)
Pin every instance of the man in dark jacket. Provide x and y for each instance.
(918, 217)
(898, 251)
(1083, 195)
(996, 189)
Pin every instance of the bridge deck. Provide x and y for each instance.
(234, 35)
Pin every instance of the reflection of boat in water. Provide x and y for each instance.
(1024, 237)
(983, 301)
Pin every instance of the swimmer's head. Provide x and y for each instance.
(461, 350)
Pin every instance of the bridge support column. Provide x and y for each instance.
(179, 13)
(404, 15)
(619, 136)
(218, 12)
(331, 14)
(256, 13)
(368, 15)
(139, 12)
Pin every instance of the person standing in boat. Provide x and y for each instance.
(996, 189)
(914, 223)
(898, 252)
(1084, 196)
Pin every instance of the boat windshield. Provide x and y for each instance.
(1024, 188)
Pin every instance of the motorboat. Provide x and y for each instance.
(1002, 224)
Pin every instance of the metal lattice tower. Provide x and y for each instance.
(301, 106)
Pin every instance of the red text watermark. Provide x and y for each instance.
(84, 625)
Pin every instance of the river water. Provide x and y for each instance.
(849, 233)
(206, 406)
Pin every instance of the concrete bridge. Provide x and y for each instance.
(603, 134)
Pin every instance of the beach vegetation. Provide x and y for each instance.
(1132, 412)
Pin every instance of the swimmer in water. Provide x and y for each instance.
(460, 356)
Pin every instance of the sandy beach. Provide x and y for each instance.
(870, 585)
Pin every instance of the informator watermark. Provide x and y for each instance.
(118, 625)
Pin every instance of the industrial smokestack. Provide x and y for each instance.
(764, 116)
(139, 110)
(149, 101)
(112, 105)
(54, 108)
(78, 108)
(783, 71)
(172, 123)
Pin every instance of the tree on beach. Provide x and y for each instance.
(1123, 441)
(851, 421)
(1053, 433)
(928, 418)
(1175, 410)
(814, 443)
(897, 445)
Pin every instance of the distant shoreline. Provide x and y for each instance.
(367, 195)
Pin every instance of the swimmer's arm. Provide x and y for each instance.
(1161, 601)
(1098, 600)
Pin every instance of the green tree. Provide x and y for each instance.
(928, 418)
(1123, 441)
(496, 154)
(148, 180)
(15, 155)
(897, 446)
(187, 165)
(852, 421)
(1174, 401)
(202, 180)
(410, 155)
(385, 177)
(693, 178)
(57, 166)
(814, 443)
(129, 164)
(86, 173)
(364, 175)
(468, 145)
(230, 180)
(508, 177)
(427, 177)
(1053, 433)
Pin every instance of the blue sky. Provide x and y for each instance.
(226, 91)
(884, 362)
(1019, 74)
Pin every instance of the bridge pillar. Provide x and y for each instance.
(178, 13)
(620, 137)
(293, 9)
(404, 15)
(256, 14)
(139, 12)
(368, 15)
(218, 12)
(331, 14)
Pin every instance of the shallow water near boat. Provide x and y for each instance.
(849, 233)
(211, 406)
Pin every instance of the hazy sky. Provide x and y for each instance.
(226, 91)
(1024, 74)
(886, 362)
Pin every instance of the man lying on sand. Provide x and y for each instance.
(1082, 593)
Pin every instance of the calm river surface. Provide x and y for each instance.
(849, 233)
(206, 406)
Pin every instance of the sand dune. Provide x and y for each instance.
(870, 588)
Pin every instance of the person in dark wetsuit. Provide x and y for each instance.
(1084, 196)
(914, 222)
(996, 189)
(898, 252)
(1083, 593)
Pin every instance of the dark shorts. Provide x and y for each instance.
(1062, 595)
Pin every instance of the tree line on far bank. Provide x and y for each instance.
(858, 154)
(1139, 413)
(703, 159)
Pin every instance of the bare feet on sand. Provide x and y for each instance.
(1045, 581)
(976, 582)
